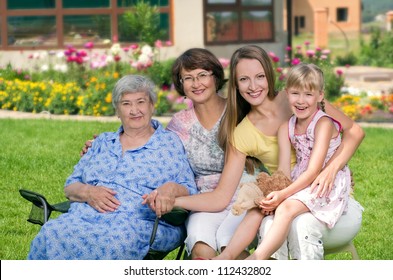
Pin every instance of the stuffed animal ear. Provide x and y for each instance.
(245, 198)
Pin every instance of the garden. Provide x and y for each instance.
(79, 81)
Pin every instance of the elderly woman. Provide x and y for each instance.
(107, 219)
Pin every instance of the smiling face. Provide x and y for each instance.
(198, 84)
(251, 81)
(135, 111)
(304, 103)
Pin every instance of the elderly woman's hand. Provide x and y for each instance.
(102, 199)
(162, 199)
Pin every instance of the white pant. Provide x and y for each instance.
(215, 228)
(308, 236)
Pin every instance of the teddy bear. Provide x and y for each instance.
(251, 193)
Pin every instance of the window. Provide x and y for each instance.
(85, 4)
(28, 4)
(342, 14)
(302, 22)
(81, 29)
(31, 31)
(56, 24)
(238, 21)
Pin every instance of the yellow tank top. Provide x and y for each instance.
(252, 142)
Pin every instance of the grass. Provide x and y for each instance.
(40, 154)
(338, 43)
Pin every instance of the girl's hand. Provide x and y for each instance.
(271, 201)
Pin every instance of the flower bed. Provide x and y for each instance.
(80, 81)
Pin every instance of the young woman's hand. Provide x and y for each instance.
(323, 184)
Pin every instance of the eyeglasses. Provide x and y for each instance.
(202, 78)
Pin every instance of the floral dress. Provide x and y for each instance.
(326, 209)
(85, 233)
(204, 154)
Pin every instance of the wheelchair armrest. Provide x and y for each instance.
(176, 217)
(41, 209)
(62, 206)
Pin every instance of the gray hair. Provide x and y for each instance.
(133, 84)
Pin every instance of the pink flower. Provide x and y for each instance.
(310, 53)
(307, 43)
(279, 69)
(89, 45)
(282, 77)
(79, 60)
(171, 97)
(158, 44)
(224, 62)
(276, 59)
(295, 61)
(81, 53)
(134, 46)
(339, 72)
(288, 48)
(168, 43)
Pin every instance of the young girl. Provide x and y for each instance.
(315, 137)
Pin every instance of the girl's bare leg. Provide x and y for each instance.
(243, 236)
(284, 215)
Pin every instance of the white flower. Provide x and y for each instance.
(61, 67)
(44, 67)
(60, 54)
(115, 49)
(144, 58)
(147, 50)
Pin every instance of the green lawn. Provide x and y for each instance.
(339, 43)
(40, 154)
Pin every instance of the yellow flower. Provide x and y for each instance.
(108, 98)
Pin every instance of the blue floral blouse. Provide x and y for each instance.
(84, 233)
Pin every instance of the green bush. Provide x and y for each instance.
(379, 50)
(347, 59)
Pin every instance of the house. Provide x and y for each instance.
(220, 26)
(342, 16)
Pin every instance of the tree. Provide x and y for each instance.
(141, 23)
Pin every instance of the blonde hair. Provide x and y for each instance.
(237, 107)
(305, 76)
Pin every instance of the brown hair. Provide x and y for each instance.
(237, 106)
(197, 58)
